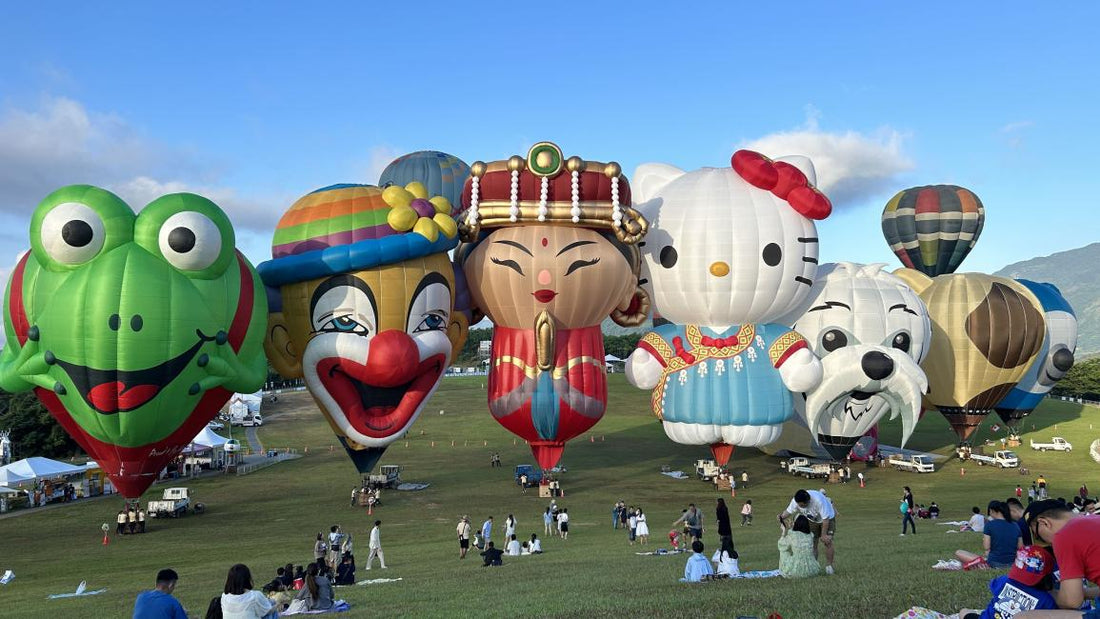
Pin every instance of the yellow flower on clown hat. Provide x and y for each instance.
(411, 209)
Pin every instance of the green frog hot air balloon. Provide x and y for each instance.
(933, 228)
(133, 330)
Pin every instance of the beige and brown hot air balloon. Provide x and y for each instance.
(986, 332)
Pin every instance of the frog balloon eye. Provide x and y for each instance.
(72, 233)
(190, 241)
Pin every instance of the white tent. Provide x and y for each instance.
(42, 468)
(611, 358)
(11, 478)
(207, 438)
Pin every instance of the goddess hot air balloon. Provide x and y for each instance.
(363, 300)
(440, 173)
(1054, 360)
(986, 333)
(132, 330)
(550, 251)
(732, 250)
(933, 228)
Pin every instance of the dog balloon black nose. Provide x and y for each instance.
(1063, 359)
(877, 365)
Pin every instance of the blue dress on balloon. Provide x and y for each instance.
(728, 377)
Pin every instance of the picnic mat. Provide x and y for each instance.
(377, 581)
(660, 552)
(920, 612)
(676, 474)
(80, 592)
(339, 606)
(412, 486)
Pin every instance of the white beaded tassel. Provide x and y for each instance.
(575, 189)
(616, 212)
(543, 193)
(513, 210)
(471, 215)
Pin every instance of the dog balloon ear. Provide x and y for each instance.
(916, 280)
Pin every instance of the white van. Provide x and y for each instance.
(253, 420)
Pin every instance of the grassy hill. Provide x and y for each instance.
(269, 518)
(1075, 274)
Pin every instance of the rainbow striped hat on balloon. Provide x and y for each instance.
(343, 228)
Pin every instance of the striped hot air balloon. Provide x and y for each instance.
(440, 173)
(933, 228)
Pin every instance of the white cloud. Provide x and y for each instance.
(1017, 126)
(377, 159)
(61, 143)
(851, 166)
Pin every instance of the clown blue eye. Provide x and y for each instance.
(344, 324)
(431, 322)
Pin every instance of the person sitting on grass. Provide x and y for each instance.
(933, 510)
(697, 566)
(512, 549)
(1076, 542)
(725, 560)
(279, 596)
(299, 578)
(240, 600)
(1026, 587)
(1001, 539)
(492, 555)
(345, 572)
(796, 550)
(535, 544)
(674, 540)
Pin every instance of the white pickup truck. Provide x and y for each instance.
(1002, 458)
(803, 466)
(916, 464)
(707, 470)
(1056, 444)
(173, 504)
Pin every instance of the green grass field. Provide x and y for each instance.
(269, 518)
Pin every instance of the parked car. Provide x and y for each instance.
(1056, 444)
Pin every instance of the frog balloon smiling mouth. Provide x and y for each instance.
(132, 392)
(116, 391)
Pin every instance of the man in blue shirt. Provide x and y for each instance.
(158, 603)
(487, 531)
(697, 564)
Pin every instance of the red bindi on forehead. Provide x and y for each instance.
(545, 241)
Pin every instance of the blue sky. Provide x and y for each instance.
(256, 104)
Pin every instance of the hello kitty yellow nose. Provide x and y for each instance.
(719, 269)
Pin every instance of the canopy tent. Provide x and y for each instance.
(208, 438)
(611, 359)
(11, 478)
(42, 468)
(5, 490)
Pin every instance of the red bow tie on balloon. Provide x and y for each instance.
(784, 180)
(718, 342)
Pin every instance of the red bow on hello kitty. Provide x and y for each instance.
(784, 180)
(718, 342)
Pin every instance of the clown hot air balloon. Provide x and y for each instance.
(933, 228)
(440, 173)
(986, 333)
(551, 250)
(732, 250)
(363, 307)
(1055, 359)
(132, 330)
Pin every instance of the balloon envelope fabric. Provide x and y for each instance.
(933, 228)
(132, 330)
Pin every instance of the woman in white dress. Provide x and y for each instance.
(509, 527)
(642, 527)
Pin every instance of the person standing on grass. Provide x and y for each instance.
(547, 523)
(463, 536)
(1031, 494)
(693, 520)
(744, 479)
(319, 548)
(509, 527)
(158, 603)
(641, 527)
(1076, 542)
(722, 515)
(819, 511)
(907, 511)
(376, 545)
(486, 531)
(632, 524)
(563, 523)
(746, 513)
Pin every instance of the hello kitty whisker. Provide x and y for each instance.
(807, 239)
(803, 280)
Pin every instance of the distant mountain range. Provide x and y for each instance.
(1077, 274)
